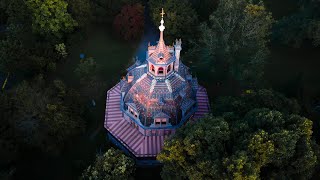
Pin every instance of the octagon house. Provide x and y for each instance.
(156, 97)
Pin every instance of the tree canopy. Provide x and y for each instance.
(304, 24)
(104, 11)
(80, 11)
(40, 116)
(251, 99)
(50, 17)
(258, 135)
(21, 51)
(24, 50)
(11, 51)
(129, 23)
(258, 142)
(235, 40)
(111, 165)
(205, 8)
(180, 18)
(91, 84)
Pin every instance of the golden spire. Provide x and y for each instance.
(162, 13)
(162, 27)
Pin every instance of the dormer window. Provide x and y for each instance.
(161, 119)
(132, 109)
(160, 56)
(160, 70)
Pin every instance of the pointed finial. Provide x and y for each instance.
(162, 13)
(162, 27)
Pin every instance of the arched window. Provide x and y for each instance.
(168, 68)
(152, 68)
(160, 70)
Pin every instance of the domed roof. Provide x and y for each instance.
(170, 96)
(151, 96)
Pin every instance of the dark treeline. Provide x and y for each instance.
(252, 133)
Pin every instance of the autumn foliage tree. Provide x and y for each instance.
(129, 23)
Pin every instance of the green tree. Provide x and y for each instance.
(315, 32)
(235, 40)
(86, 69)
(250, 99)
(195, 150)
(11, 52)
(91, 84)
(17, 12)
(111, 165)
(43, 116)
(251, 143)
(3, 14)
(8, 139)
(104, 11)
(80, 11)
(204, 8)
(180, 19)
(21, 50)
(292, 30)
(61, 50)
(50, 17)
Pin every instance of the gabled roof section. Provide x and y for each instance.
(187, 103)
(161, 115)
(161, 55)
(132, 105)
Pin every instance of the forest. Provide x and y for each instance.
(258, 60)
